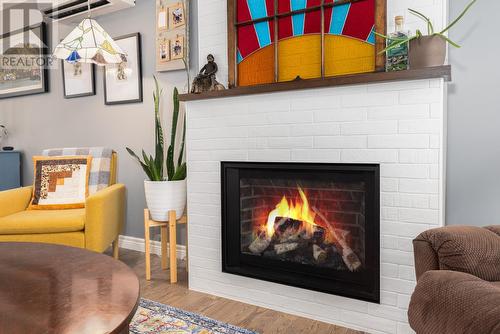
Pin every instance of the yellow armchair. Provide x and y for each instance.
(15, 200)
(104, 216)
(95, 227)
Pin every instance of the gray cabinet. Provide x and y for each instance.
(10, 169)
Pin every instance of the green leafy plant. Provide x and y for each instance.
(176, 172)
(153, 166)
(397, 42)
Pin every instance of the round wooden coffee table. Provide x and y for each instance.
(57, 289)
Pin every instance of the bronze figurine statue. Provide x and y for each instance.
(205, 81)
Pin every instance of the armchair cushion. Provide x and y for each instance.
(494, 228)
(468, 249)
(449, 302)
(43, 221)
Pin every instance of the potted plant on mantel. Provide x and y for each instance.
(426, 50)
(164, 193)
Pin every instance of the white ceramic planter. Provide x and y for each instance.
(163, 196)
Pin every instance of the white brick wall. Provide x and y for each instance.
(399, 125)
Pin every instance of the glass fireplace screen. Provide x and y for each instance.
(317, 223)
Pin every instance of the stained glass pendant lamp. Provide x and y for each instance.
(89, 43)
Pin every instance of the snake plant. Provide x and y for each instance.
(174, 172)
(397, 42)
(154, 166)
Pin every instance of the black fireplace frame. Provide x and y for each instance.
(363, 285)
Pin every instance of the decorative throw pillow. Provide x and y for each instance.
(60, 182)
(100, 171)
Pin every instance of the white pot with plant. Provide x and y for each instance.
(426, 50)
(164, 192)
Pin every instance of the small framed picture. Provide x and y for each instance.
(177, 48)
(176, 16)
(123, 82)
(78, 79)
(164, 51)
(20, 77)
(162, 19)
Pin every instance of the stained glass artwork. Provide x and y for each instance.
(89, 43)
(345, 46)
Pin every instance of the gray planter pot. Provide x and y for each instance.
(427, 51)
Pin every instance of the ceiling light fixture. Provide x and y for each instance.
(89, 43)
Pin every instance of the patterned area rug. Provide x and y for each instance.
(154, 318)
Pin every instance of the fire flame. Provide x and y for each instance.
(298, 209)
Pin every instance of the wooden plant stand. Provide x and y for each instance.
(171, 224)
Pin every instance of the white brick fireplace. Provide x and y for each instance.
(400, 125)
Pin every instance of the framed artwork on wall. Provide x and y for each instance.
(78, 79)
(162, 19)
(23, 58)
(283, 40)
(176, 17)
(172, 35)
(177, 48)
(164, 51)
(123, 82)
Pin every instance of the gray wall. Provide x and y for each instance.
(48, 120)
(473, 180)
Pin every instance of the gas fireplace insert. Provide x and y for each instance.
(309, 225)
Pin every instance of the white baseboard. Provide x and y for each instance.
(137, 244)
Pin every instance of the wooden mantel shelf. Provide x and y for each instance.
(354, 79)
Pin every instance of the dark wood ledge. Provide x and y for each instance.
(354, 79)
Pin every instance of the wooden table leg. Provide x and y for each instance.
(116, 249)
(146, 244)
(187, 252)
(164, 262)
(125, 330)
(172, 223)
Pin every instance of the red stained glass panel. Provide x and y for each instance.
(284, 6)
(358, 24)
(312, 22)
(247, 40)
(285, 28)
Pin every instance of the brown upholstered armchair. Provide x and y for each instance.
(458, 281)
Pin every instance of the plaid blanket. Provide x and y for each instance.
(101, 164)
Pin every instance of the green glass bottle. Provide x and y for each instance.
(397, 58)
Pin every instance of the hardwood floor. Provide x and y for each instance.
(262, 320)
